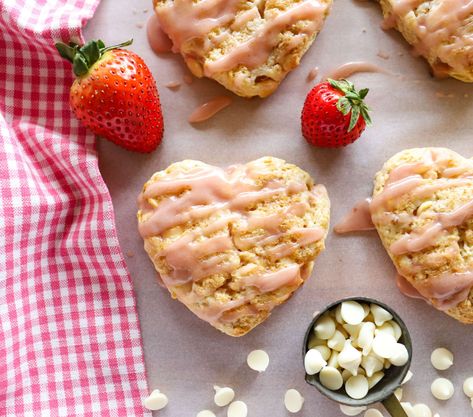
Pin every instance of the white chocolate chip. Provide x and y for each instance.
(331, 378)
(385, 328)
(333, 361)
(205, 413)
(357, 387)
(316, 313)
(258, 360)
(408, 409)
(372, 364)
(401, 355)
(421, 410)
(350, 358)
(351, 411)
(442, 389)
(223, 396)
(373, 380)
(324, 328)
(407, 378)
(366, 309)
(313, 362)
(397, 329)
(353, 330)
(337, 341)
(366, 336)
(314, 341)
(468, 387)
(384, 345)
(293, 401)
(398, 393)
(441, 359)
(324, 351)
(346, 374)
(237, 409)
(156, 401)
(372, 412)
(380, 314)
(352, 312)
(338, 314)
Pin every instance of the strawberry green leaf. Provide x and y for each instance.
(343, 104)
(66, 51)
(91, 52)
(80, 65)
(363, 93)
(355, 115)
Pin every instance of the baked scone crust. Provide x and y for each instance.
(295, 206)
(449, 47)
(292, 37)
(444, 184)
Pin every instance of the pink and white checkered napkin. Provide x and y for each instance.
(69, 336)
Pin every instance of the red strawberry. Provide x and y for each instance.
(115, 95)
(331, 114)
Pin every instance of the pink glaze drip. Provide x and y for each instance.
(158, 40)
(209, 109)
(255, 51)
(198, 194)
(312, 75)
(359, 219)
(442, 29)
(173, 85)
(350, 68)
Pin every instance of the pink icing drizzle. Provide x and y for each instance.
(209, 109)
(157, 39)
(359, 219)
(350, 68)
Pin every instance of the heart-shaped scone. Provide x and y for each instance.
(247, 46)
(422, 208)
(440, 30)
(233, 244)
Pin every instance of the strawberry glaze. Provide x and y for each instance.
(209, 109)
(350, 68)
(157, 39)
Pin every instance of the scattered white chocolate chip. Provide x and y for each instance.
(205, 413)
(372, 364)
(372, 412)
(337, 341)
(156, 401)
(401, 355)
(324, 351)
(366, 336)
(351, 411)
(258, 360)
(352, 312)
(384, 345)
(331, 378)
(408, 409)
(441, 359)
(407, 378)
(293, 401)
(314, 362)
(398, 393)
(237, 409)
(421, 410)
(357, 387)
(324, 328)
(468, 387)
(442, 389)
(223, 396)
(350, 358)
(380, 314)
(373, 380)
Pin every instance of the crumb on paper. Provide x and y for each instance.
(130, 254)
(383, 55)
(188, 79)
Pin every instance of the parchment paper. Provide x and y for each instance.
(185, 357)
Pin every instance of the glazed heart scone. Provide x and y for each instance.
(248, 46)
(232, 244)
(422, 208)
(440, 30)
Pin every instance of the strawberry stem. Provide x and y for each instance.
(83, 57)
(352, 101)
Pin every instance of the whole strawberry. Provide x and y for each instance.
(115, 94)
(334, 114)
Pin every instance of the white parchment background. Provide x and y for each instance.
(185, 357)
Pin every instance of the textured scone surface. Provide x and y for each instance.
(439, 30)
(422, 208)
(232, 244)
(248, 46)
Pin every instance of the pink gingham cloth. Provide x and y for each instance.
(69, 335)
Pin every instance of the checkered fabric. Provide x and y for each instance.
(69, 336)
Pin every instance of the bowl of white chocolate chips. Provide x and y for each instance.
(357, 352)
